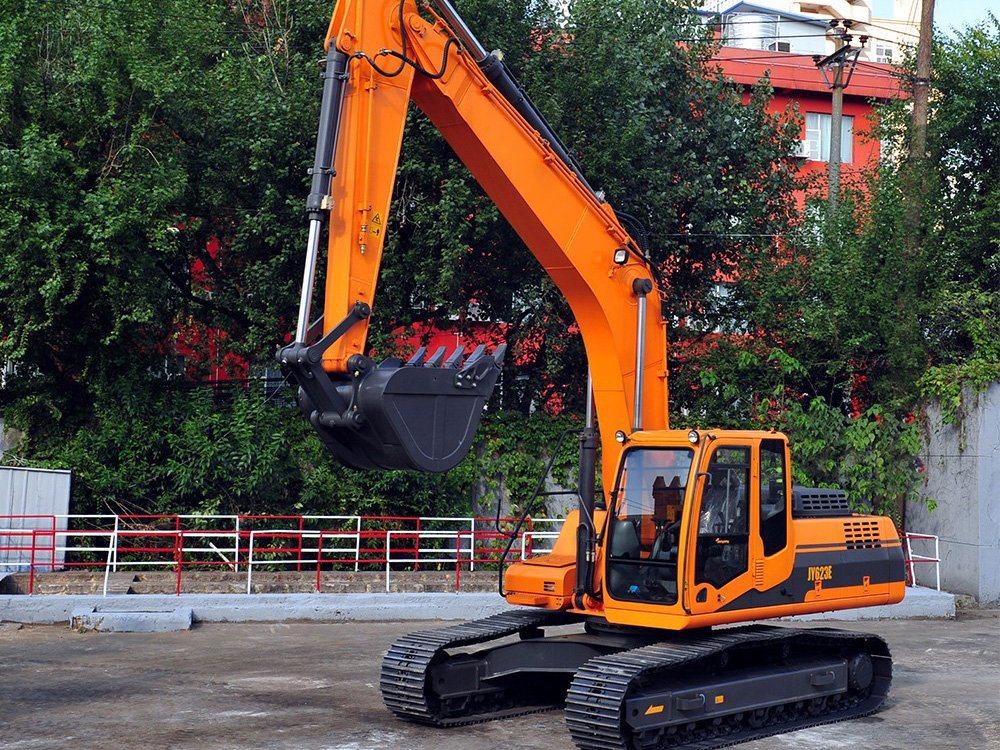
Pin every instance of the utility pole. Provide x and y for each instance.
(837, 69)
(916, 170)
(921, 84)
(836, 113)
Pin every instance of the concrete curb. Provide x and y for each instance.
(59, 608)
(157, 621)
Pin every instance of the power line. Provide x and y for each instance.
(894, 31)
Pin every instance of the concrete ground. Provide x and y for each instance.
(315, 686)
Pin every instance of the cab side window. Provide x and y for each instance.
(724, 520)
(773, 500)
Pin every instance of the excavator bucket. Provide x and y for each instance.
(421, 414)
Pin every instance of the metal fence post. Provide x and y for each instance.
(236, 553)
(112, 554)
(319, 557)
(31, 568)
(178, 557)
(937, 561)
(250, 562)
(115, 563)
(388, 554)
(357, 548)
(909, 559)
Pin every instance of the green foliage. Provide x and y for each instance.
(157, 450)
(871, 456)
(131, 134)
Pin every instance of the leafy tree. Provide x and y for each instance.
(136, 137)
(132, 134)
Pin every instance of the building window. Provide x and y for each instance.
(883, 53)
(750, 30)
(818, 137)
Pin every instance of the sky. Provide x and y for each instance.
(960, 13)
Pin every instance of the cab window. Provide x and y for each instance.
(773, 500)
(724, 518)
(645, 527)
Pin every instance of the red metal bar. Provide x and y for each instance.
(416, 556)
(31, 567)
(178, 557)
(298, 565)
(319, 557)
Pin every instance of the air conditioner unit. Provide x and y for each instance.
(780, 47)
(801, 150)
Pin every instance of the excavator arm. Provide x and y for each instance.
(702, 529)
(422, 414)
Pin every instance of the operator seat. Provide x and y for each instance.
(624, 546)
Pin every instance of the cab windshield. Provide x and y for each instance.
(645, 527)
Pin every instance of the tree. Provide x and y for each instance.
(153, 164)
(131, 135)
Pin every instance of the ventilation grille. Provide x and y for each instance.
(549, 587)
(817, 502)
(862, 534)
(758, 573)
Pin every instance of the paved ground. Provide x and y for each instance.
(314, 686)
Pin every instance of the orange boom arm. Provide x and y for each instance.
(533, 181)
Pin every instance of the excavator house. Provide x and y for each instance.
(636, 621)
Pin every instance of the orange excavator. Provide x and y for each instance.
(622, 622)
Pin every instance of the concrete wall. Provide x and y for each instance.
(963, 479)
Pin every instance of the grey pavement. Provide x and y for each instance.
(308, 685)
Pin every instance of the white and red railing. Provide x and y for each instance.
(248, 543)
(304, 543)
(913, 559)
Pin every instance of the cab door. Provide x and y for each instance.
(722, 527)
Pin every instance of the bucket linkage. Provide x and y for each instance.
(421, 414)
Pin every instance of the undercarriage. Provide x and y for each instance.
(636, 689)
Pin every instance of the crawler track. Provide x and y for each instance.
(597, 698)
(696, 691)
(406, 665)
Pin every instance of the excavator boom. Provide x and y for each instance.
(381, 56)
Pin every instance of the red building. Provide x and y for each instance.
(797, 81)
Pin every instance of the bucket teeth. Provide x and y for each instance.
(456, 357)
(476, 355)
(418, 357)
(437, 358)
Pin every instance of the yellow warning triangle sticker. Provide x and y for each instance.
(377, 218)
